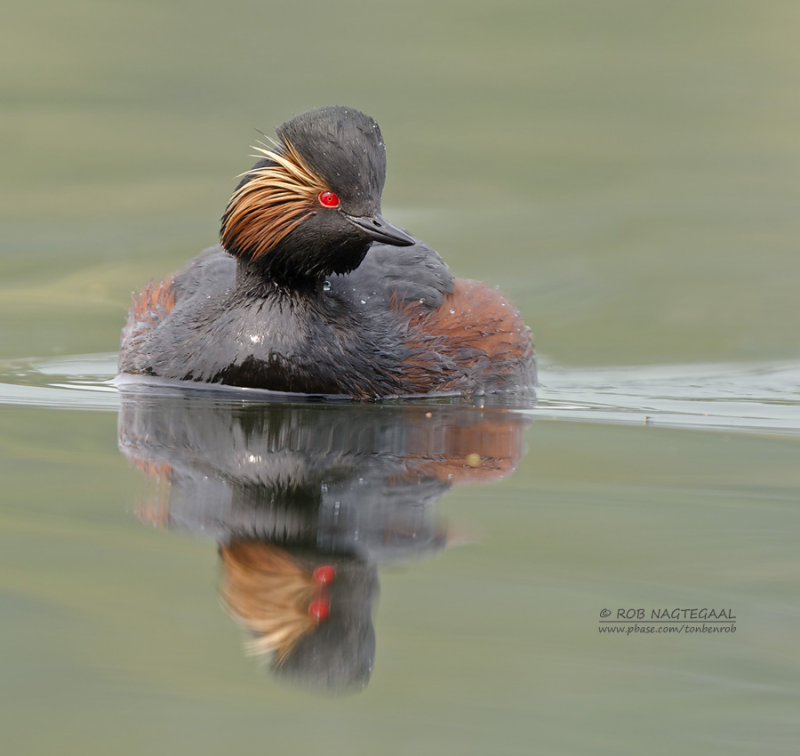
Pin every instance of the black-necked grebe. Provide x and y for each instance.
(312, 291)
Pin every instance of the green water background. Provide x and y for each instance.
(627, 171)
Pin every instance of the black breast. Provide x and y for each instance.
(346, 337)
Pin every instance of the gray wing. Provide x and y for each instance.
(213, 268)
(406, 274)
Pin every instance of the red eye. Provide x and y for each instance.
(328, 199)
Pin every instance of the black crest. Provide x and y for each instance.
(346, 148)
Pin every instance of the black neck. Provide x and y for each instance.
(260, 277)
(302, 270)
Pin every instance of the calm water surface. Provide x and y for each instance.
(627, 172)
(481, 553)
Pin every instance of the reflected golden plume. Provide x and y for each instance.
(268, 593)
(272, 203)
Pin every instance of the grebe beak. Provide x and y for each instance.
(377, 228)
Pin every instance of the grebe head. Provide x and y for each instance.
(311, 205)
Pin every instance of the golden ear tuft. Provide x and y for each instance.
(268, 593)
(273, 202)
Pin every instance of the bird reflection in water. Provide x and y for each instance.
(304, 500)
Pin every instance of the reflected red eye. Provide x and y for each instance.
(318, 609)
(324, 574)
(328, 199)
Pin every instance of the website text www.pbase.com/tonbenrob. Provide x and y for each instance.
(655, 628)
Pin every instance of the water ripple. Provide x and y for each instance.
(754, 397)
